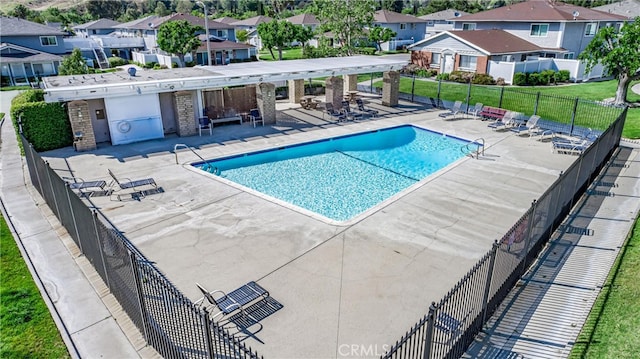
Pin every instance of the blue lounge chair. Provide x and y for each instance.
(509, 120)
(475, 111)
(570, 146)
(528, 127)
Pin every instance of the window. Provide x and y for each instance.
(539, 30)
(590, 29)
(568, 55)
(430, 22)
(435, 59)
(403, 26)
(468, 62)
(48, 41)
(469, 26)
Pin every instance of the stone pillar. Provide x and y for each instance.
(266, 99)
(296, 90)
(185, 115)
(334, 92)
(351, 82)
(390, 88)
(81, 124)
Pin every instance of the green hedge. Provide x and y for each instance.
(45, 125)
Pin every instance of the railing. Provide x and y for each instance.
(210, 167)
(168, 321)
(468, 151)
(451, 324)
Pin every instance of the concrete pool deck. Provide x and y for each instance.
(361, 284)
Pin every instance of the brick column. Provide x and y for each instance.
(81, 123)
(185, 115)
(334, 91)
(350, 82)
(390, 88)
(296, 90)
(266, 99)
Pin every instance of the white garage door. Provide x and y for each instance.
(134, 118)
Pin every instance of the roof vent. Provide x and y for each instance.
(575, 14)
(132, 71)
(456, 14)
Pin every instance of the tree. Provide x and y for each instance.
(184, 7)
(161, 9)
(73, 64)
(178, 37)
(242, 35)
(280, 33)
(20, 11)
(379, 34)
(619, 52)
(346, 19)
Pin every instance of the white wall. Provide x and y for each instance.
(134, 118)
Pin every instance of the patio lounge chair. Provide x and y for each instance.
(509, 120)
(368, 111)
(88, 188)
(453, 112)
(529, 127)
(475, 111)
(254, 115)
(238, 299)
(134, 185)
(333, 113)
(350, 114)
(569, 146)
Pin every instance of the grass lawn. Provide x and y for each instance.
(28, 331)
(612, 328)
(293, 53)
(522, 100)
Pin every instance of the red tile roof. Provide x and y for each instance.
(541, 10)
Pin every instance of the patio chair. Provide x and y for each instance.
(350, 114)
(453, 112)
(475, 111)
(339, 116)
(88, 188)
(368, 111)
(132, 184)
(254, 115)
(529, 127)
(569, 146)
(509, 120)
(205, 124)
(238, 299)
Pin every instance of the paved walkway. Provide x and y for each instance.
(87, 326)
(543, 315)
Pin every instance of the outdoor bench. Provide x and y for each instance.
(227, 119)
(492, 113)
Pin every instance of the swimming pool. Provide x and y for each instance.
(340, 178)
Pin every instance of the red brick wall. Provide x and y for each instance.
(481, 64)
(421, 58)
(456, 64)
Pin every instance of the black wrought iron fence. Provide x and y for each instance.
(170, 322)
(450, 325)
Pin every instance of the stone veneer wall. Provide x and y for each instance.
(390, 88)
(266, 99)
(296, 90)
(334, 91)
(351, 82)
(80, 120)
(185, 118)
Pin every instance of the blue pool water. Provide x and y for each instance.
(342, 177)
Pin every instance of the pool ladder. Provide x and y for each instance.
(479, 150)
(209, 167)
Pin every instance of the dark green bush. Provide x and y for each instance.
(45, 125)
(563, 76)
(548, 76)
(520, 79)
(115, 61)
(461, 76)
(24, 98)
(483, 79)
(443, 76)
(534, 79)
(365, 50)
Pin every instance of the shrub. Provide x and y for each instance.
(46, 125)
(563, 76)
(23, 98)
(461, 76)
(534, 79)
(500, 81)
(548, 76)
(149, 65)
(115, 61)
(443, 76)
(520, 79)
(483, 79)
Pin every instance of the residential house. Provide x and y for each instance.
(628, 8)
(408, 29)
(470, 51)
(28, 50)
(224, 51)
(563, 30)
(251, 26)
(96, 27)
(441, 20)
(226, 20)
